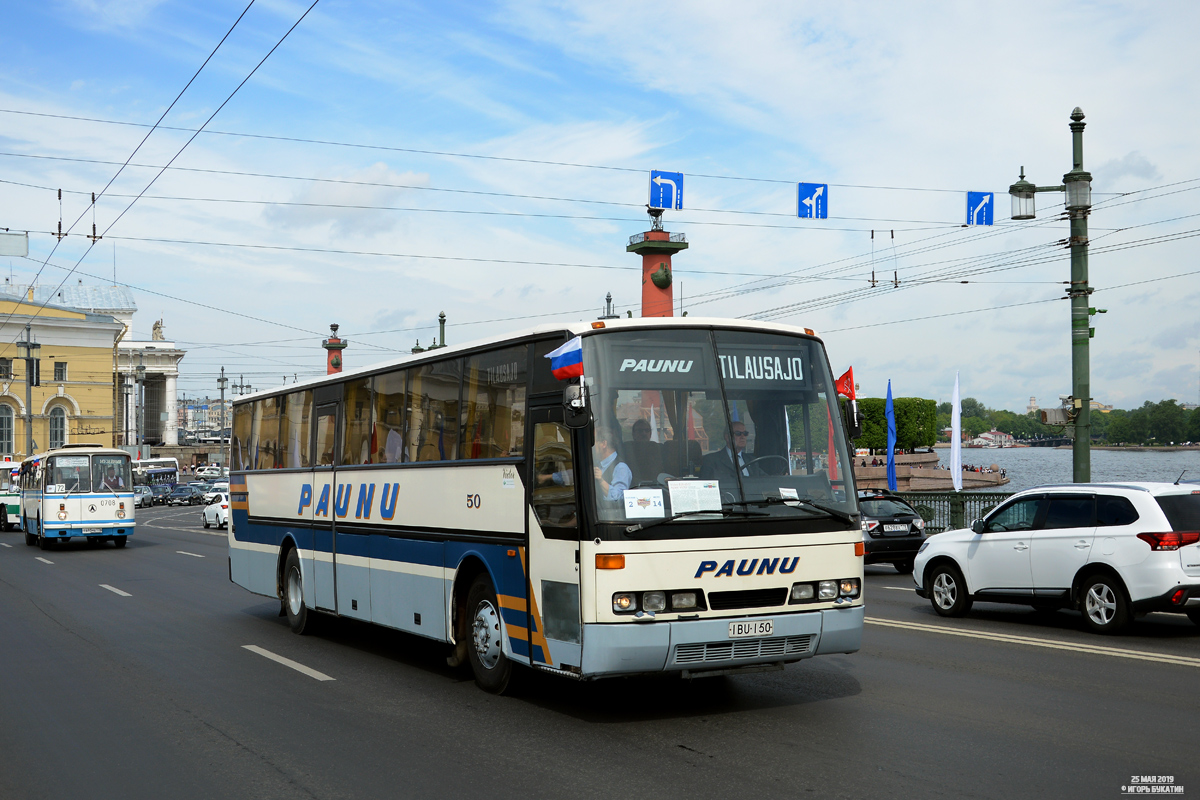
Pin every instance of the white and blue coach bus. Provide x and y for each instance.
(686, 504)
(79, 490)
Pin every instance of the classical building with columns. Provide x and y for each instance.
(90, 381)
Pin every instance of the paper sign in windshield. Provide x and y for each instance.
(687, 496)
(789, 495)
(644, 503)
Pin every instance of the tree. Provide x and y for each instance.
(1166, 421)
(916, 422)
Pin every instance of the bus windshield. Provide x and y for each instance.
(111, 473)
(696, 421)
(70, 474)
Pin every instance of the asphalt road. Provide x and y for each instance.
(150, 691)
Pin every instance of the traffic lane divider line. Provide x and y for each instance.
(115, 590)
(43, 560)
(5, 544)
(287, 662)
(895, 588)
(186, 553)
(1115, 652)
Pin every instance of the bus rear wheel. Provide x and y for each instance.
(485, 645)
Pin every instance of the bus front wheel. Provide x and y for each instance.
(44, 541)
(30, 537)
(485, 646)
(119, 541)
(293, 594)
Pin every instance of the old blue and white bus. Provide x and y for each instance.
(678, 500)
(79, 490)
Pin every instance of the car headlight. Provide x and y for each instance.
(921, 549)
(683, 600)
(624, 601)
(920, 523)
(654, 601)
(827, 590)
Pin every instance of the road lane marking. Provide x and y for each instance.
(287, 662)
(44, 560)
(115, 590)
(186, 553)
(1097, 650)
(5, 544)
(895, 588)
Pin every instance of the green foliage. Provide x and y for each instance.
(1160, 423)
(916, 422)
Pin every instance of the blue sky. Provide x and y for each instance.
(885, 102)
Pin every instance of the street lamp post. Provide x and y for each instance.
(1078, 187)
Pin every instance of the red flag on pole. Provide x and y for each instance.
(845, 384)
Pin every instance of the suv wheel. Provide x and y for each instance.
(948, 591)
(1102, 601)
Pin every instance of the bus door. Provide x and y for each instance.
(555, 630)
(324, 449)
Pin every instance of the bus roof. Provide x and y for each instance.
(74, 449)
(569, 328)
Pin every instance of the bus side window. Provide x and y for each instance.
(553, 476)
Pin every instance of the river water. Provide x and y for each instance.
(1034, 466)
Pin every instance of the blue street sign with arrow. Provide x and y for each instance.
(979, 208)
(666, 189)
(813, 201)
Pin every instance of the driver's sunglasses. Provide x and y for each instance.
(741, 433)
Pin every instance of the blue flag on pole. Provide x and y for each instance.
(890, 413)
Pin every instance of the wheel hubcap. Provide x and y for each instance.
(295, 591)
(1101, 604)
(486, 634)
(945, 592)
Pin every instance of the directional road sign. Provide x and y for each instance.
(979, 208)
(813, 201)
(666, 189)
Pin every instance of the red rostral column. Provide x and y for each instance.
(334, 347)
(656, 247)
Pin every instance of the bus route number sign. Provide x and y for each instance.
(473, 501)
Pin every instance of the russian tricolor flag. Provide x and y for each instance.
(567, 361)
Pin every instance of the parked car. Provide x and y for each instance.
(216, 513)
(1109, 550)
(160, 494)
(893, 531)
(143, 496)
(218, 487)
(185, 494)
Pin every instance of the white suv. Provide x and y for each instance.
(1110, 550)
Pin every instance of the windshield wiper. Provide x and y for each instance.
(723, 511)
(796, 503)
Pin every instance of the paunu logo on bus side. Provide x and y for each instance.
(340, 500)
(749, 566)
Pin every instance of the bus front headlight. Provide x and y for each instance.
(827, 590)
(624, 601)
(121, 514)
(654, 601)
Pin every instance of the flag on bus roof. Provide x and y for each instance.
(567, 361)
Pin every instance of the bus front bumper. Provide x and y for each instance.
(704, 644)
(66, 530)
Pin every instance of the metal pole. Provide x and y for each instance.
(1081, 383)
(28, 393)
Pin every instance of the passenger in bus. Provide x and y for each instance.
(613, 475)
(720, 465)
(645, 456)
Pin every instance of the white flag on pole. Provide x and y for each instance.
(956, 438)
